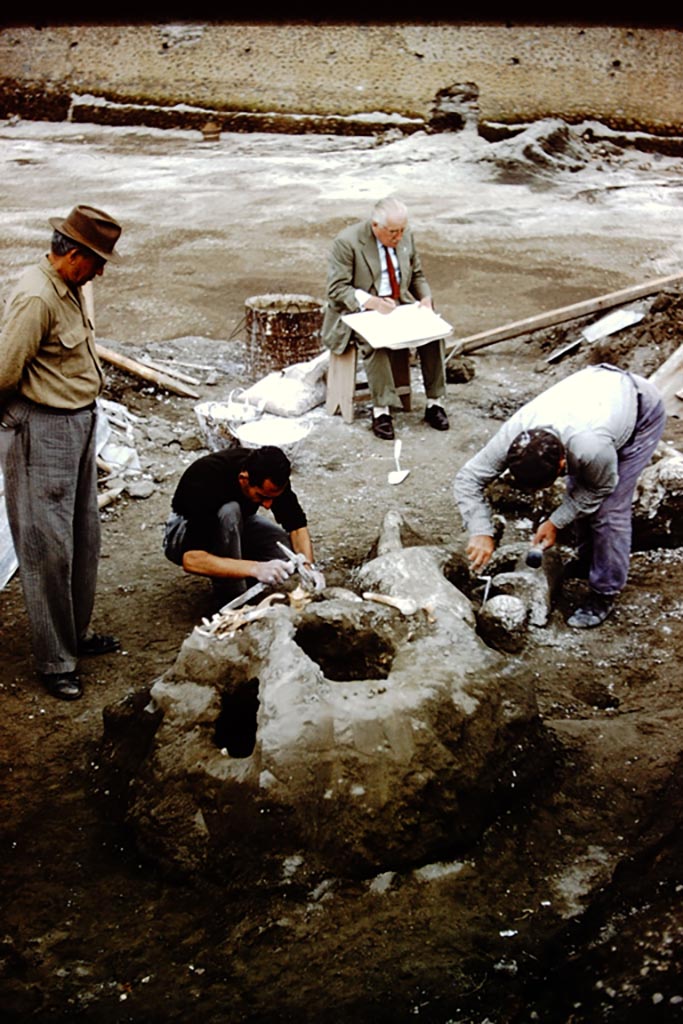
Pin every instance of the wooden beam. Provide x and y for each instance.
(146, 372)
(164, 380)
(556, 316)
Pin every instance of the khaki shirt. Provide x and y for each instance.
(47, 344)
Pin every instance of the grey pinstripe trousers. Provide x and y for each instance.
(50, 469)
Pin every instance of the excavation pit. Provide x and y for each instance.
(346, 655)
(236, 726)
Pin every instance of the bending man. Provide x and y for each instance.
(600, 426)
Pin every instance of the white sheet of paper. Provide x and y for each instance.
(408, 325)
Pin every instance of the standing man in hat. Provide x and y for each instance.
(50, 377)
(374, 264)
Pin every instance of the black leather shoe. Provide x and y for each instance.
(382, 427)
(436, 417)
(63, 685)
(98, 643)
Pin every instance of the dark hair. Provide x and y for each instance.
(267, 463)
(62, 244)
(533, 458)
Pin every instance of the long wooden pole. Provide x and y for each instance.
(146, 372)
(133, 366)
(556, 316)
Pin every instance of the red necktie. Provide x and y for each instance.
(393, 280)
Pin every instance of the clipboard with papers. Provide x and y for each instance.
(408, 325)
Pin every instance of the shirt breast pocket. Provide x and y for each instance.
(73, 350)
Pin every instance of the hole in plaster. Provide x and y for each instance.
(345, 655)
(236, 725)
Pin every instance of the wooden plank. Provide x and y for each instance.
(140, 370)
(556, 316)
(133, 366)
(668, 378)
(168, 367)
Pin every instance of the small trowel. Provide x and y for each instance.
(398, 475)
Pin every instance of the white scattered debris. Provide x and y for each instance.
(382, 883)
(291, 865)
(439, 869)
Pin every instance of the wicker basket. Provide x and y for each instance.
(281, 330)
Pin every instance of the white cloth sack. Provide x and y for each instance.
(294, 390)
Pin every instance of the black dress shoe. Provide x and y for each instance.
(382, 427)
(436, 417)
(63, 685)
(98, 643)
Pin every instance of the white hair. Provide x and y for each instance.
(384, 208)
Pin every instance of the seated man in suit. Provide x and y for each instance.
(374, 265)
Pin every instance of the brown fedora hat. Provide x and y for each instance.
(92, 228)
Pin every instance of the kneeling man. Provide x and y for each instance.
(214, 529)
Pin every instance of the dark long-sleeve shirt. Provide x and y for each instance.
(211, 482)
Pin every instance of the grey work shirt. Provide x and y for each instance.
(47, 344)
(594, 414)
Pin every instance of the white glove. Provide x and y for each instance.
(318, 580)
(273, 572)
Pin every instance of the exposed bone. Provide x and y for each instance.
(299, 597)
(405, 605)
(341, 594)
(227, 622)
(108, 496)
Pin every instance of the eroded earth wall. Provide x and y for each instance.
(628, 78)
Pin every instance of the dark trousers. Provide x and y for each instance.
(377, 366)
(234, 536)
(50, 468)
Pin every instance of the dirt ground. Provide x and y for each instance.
(93, 933)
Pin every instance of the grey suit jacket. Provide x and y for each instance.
(354, 263)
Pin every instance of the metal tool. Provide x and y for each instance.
(487, 581)
(298, 561)
(398, 475)
(241, 599)
(534, 557)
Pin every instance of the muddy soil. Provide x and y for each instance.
(91, 932)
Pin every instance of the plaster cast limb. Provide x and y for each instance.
(480, 547)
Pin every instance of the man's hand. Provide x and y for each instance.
(545, 535)
(427, 302)
(317, 580)
(479, 550)
(275, 571)
(382, 305)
